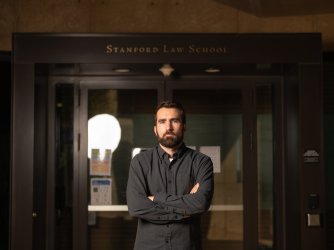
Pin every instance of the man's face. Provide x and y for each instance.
(169, 127)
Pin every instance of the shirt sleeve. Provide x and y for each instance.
(191, 204)
(140, 205)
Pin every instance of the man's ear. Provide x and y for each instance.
(155, 130)
(184, 127)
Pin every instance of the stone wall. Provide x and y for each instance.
(137, 16)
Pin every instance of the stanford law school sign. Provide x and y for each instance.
(157, 48)
(165, 49)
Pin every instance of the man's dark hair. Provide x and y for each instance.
(171, 104)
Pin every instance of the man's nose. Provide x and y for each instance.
(169, 126)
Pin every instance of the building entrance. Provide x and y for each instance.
(248, 108)
(230, 119)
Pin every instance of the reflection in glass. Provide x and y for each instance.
(104, 132)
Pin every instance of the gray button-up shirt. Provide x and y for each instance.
(172, 220)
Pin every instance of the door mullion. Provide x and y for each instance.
(75, 204)
(250, 192)
(80, 171)
(50, 184)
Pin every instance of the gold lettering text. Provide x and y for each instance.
(172, 50)
(192, 49)
(111, 49)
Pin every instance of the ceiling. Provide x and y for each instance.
(274, 8)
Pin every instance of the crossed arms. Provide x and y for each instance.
(192, 191)
(162, 207)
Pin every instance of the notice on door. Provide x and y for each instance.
(100, 162)
(214, 153)
(311, 156)
(100, 191)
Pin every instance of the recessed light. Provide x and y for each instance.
(212, 70)
(121, 70)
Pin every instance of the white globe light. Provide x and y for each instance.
(104, 132)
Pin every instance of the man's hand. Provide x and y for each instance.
(194, 189)
(151, 197)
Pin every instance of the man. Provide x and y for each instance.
(169, 186)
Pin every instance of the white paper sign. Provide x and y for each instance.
(214, 153)
(100, 162)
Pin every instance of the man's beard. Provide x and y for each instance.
(170, 142)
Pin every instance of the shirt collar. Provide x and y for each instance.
(178, 154)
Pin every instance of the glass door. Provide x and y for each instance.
(115, 123)
(231, 120)
(214, 127)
